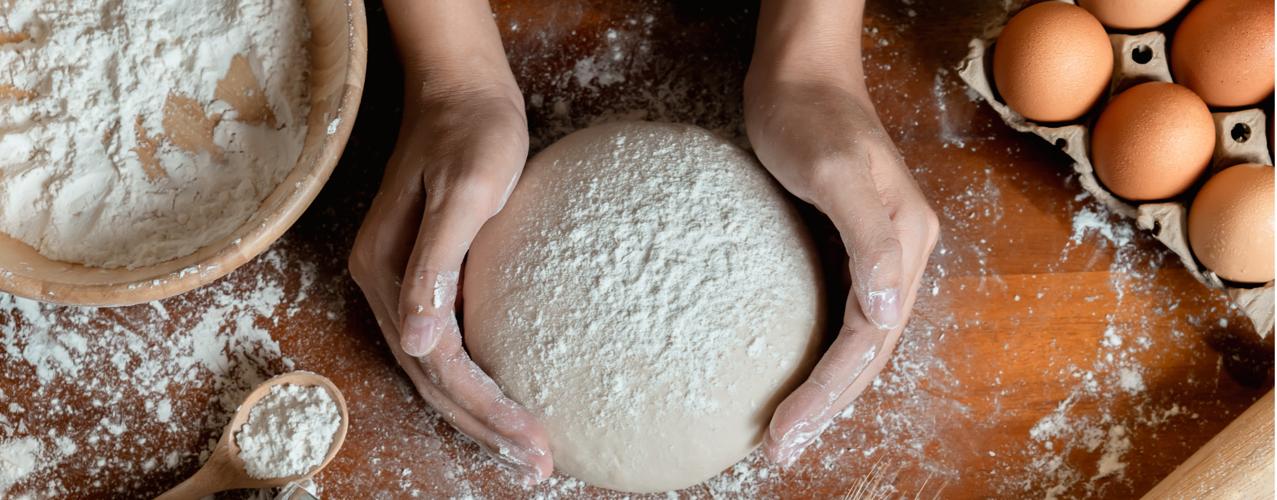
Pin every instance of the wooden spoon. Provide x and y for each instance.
(225, 470)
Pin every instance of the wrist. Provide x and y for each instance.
(767, 81)
(435, 80)
(811, 41)
(450, 49)
(765, 76)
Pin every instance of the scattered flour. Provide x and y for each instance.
(94, 371)
(1095, 219)
(1115, 446)
(1108, 403)
(92, 171)
(19, 458)
(895, 423)
(288, 432)
(1130, 379)
(623, 58)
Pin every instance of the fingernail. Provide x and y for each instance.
(530, 477)
(794, 442)
(884, 308)
(524, 472)
(527, 476)
(420, 334)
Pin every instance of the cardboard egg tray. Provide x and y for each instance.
(1240, 137)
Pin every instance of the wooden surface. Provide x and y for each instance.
(1236, 463)
(1038, 361)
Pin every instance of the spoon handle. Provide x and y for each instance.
(208, 480)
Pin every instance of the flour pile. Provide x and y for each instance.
(18, 459)
(288, 432)
(135, 132)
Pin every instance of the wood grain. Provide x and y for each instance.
(1013, 316)
(1236, 464)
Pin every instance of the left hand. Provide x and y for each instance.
(823, 141)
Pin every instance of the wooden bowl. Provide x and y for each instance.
(339, 51)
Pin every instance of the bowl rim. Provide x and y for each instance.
(299, 188)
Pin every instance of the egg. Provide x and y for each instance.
(1152, 141)
(1052, 62)
(1230, 224)
(1224, 51)
(1133, 14)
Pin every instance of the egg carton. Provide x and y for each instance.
(1240, 137)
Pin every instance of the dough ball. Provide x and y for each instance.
(651, 295)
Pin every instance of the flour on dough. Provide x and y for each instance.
(650, 294)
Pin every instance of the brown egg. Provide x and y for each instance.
(1052, 62)
(1133, 14)
(1224, 51)
(1152, 141)
(1230, 225)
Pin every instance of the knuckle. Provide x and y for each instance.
(883, 249)
(820, 384)
(356, 266)
(878, 259)
(932, 220)
(480, 192)
(828, 173)
(933, 231)
(854, 324)
(510, 136)
(470, 190)
(929, 222)
(359, 263)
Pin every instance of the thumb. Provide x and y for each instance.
(428, 296)
(865, 224)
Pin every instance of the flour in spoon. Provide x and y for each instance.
(288, 432)
(121, 145)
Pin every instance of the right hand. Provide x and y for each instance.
(460, 151)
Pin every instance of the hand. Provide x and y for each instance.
(822, 139)
(459, 153)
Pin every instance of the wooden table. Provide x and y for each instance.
(1041, 357)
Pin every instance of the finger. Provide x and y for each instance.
(389, 229)
(801, 416)
(917, 226)
(383, 249)
(856, 357)
(429, 293)
(511, 435)
(519, 439)
(918, 231)
(857, 386)
(864, 221)
(383, 300)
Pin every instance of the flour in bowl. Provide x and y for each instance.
(135, 132)
(288, 432)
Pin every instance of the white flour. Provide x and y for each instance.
(288, 432)
(147, 388)
(652, 282)
(644, 272)
(1109, 405)
(18, 459)
(89, 171)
